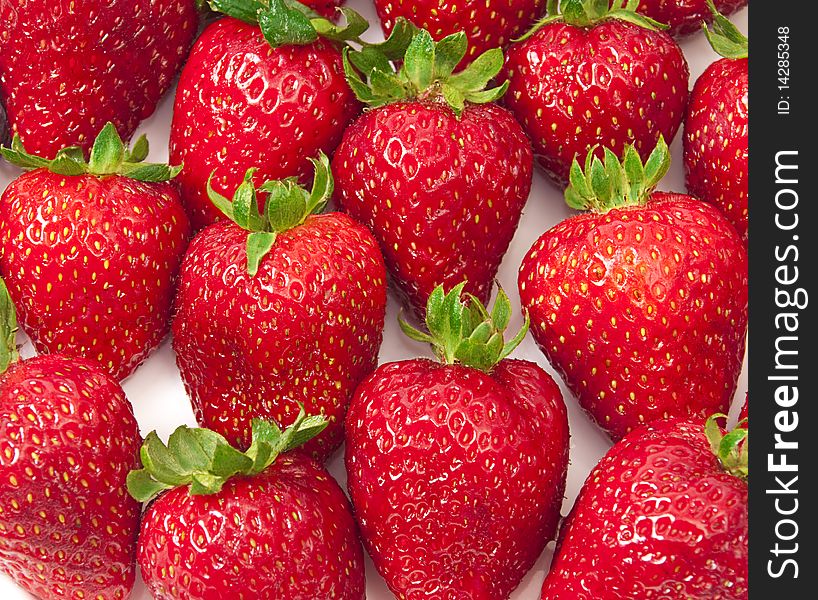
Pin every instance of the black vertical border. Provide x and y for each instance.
(770, 134)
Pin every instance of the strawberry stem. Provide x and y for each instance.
(466, 333)
(8, 329)
(204, 460)
(731, 448)
(288, 205)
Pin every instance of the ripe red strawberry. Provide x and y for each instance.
(457, 469)
(487, 23)
(593, 78)
(90, 250)
(685, 16)
(277, 310)
(436, 171)
(663, 515)
(268, 96)
(68, 438)
(716, 128)
(743, 415)
(641, 304)
(67, 68)
(259, 524)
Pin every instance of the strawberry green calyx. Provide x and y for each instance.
(288, 205)
(8, 329)
(611, 183)
(109, 156)
(466, 333)
(285, 22)
(731, 448)
(426, 72)
(725, 38)
(204, 460)
(587, 13)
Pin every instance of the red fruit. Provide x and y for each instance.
(69, 67)
(302, 323)
(457, 472)
(487, 23)
(325, 8)
(661, 516)
(68, 438)
(90, 253)
(241, 103)
(716, 129)
(441, 186)
(278, 529)
(574, 87)
(685, 16)
(641, 307)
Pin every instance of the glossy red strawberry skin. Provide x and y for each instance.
(487, 23)
(326, 8)
(286, 533)
(716, 139)
(307, 328)
(91, 263)
(612, 84)
(456, 476)
(69, 67)
(643, 310)
(657, 518)
(68, 438)
(242, 104)
(442, 195)
(685, 16)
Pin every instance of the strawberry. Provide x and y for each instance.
(641, 303)
(267, 523)
(487, 23)
(260, 89)
(67, 68)
(590, 77)
(716, 127)
(685, 16)
(456, 469)
(278, 309)
(436, 171)
(663, 515)
(90, 250)
(68, 438)
(326, 8)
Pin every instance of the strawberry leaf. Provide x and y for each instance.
(243, 10)
(465, 332)
(203, 460)
(8, 329)
(287, 205)
(725, 38)
(280, 24)
(259, 244)
(107, 153)
(425, 71)
(109, 156)
(602, 186)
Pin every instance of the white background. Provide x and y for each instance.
(160, 403)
